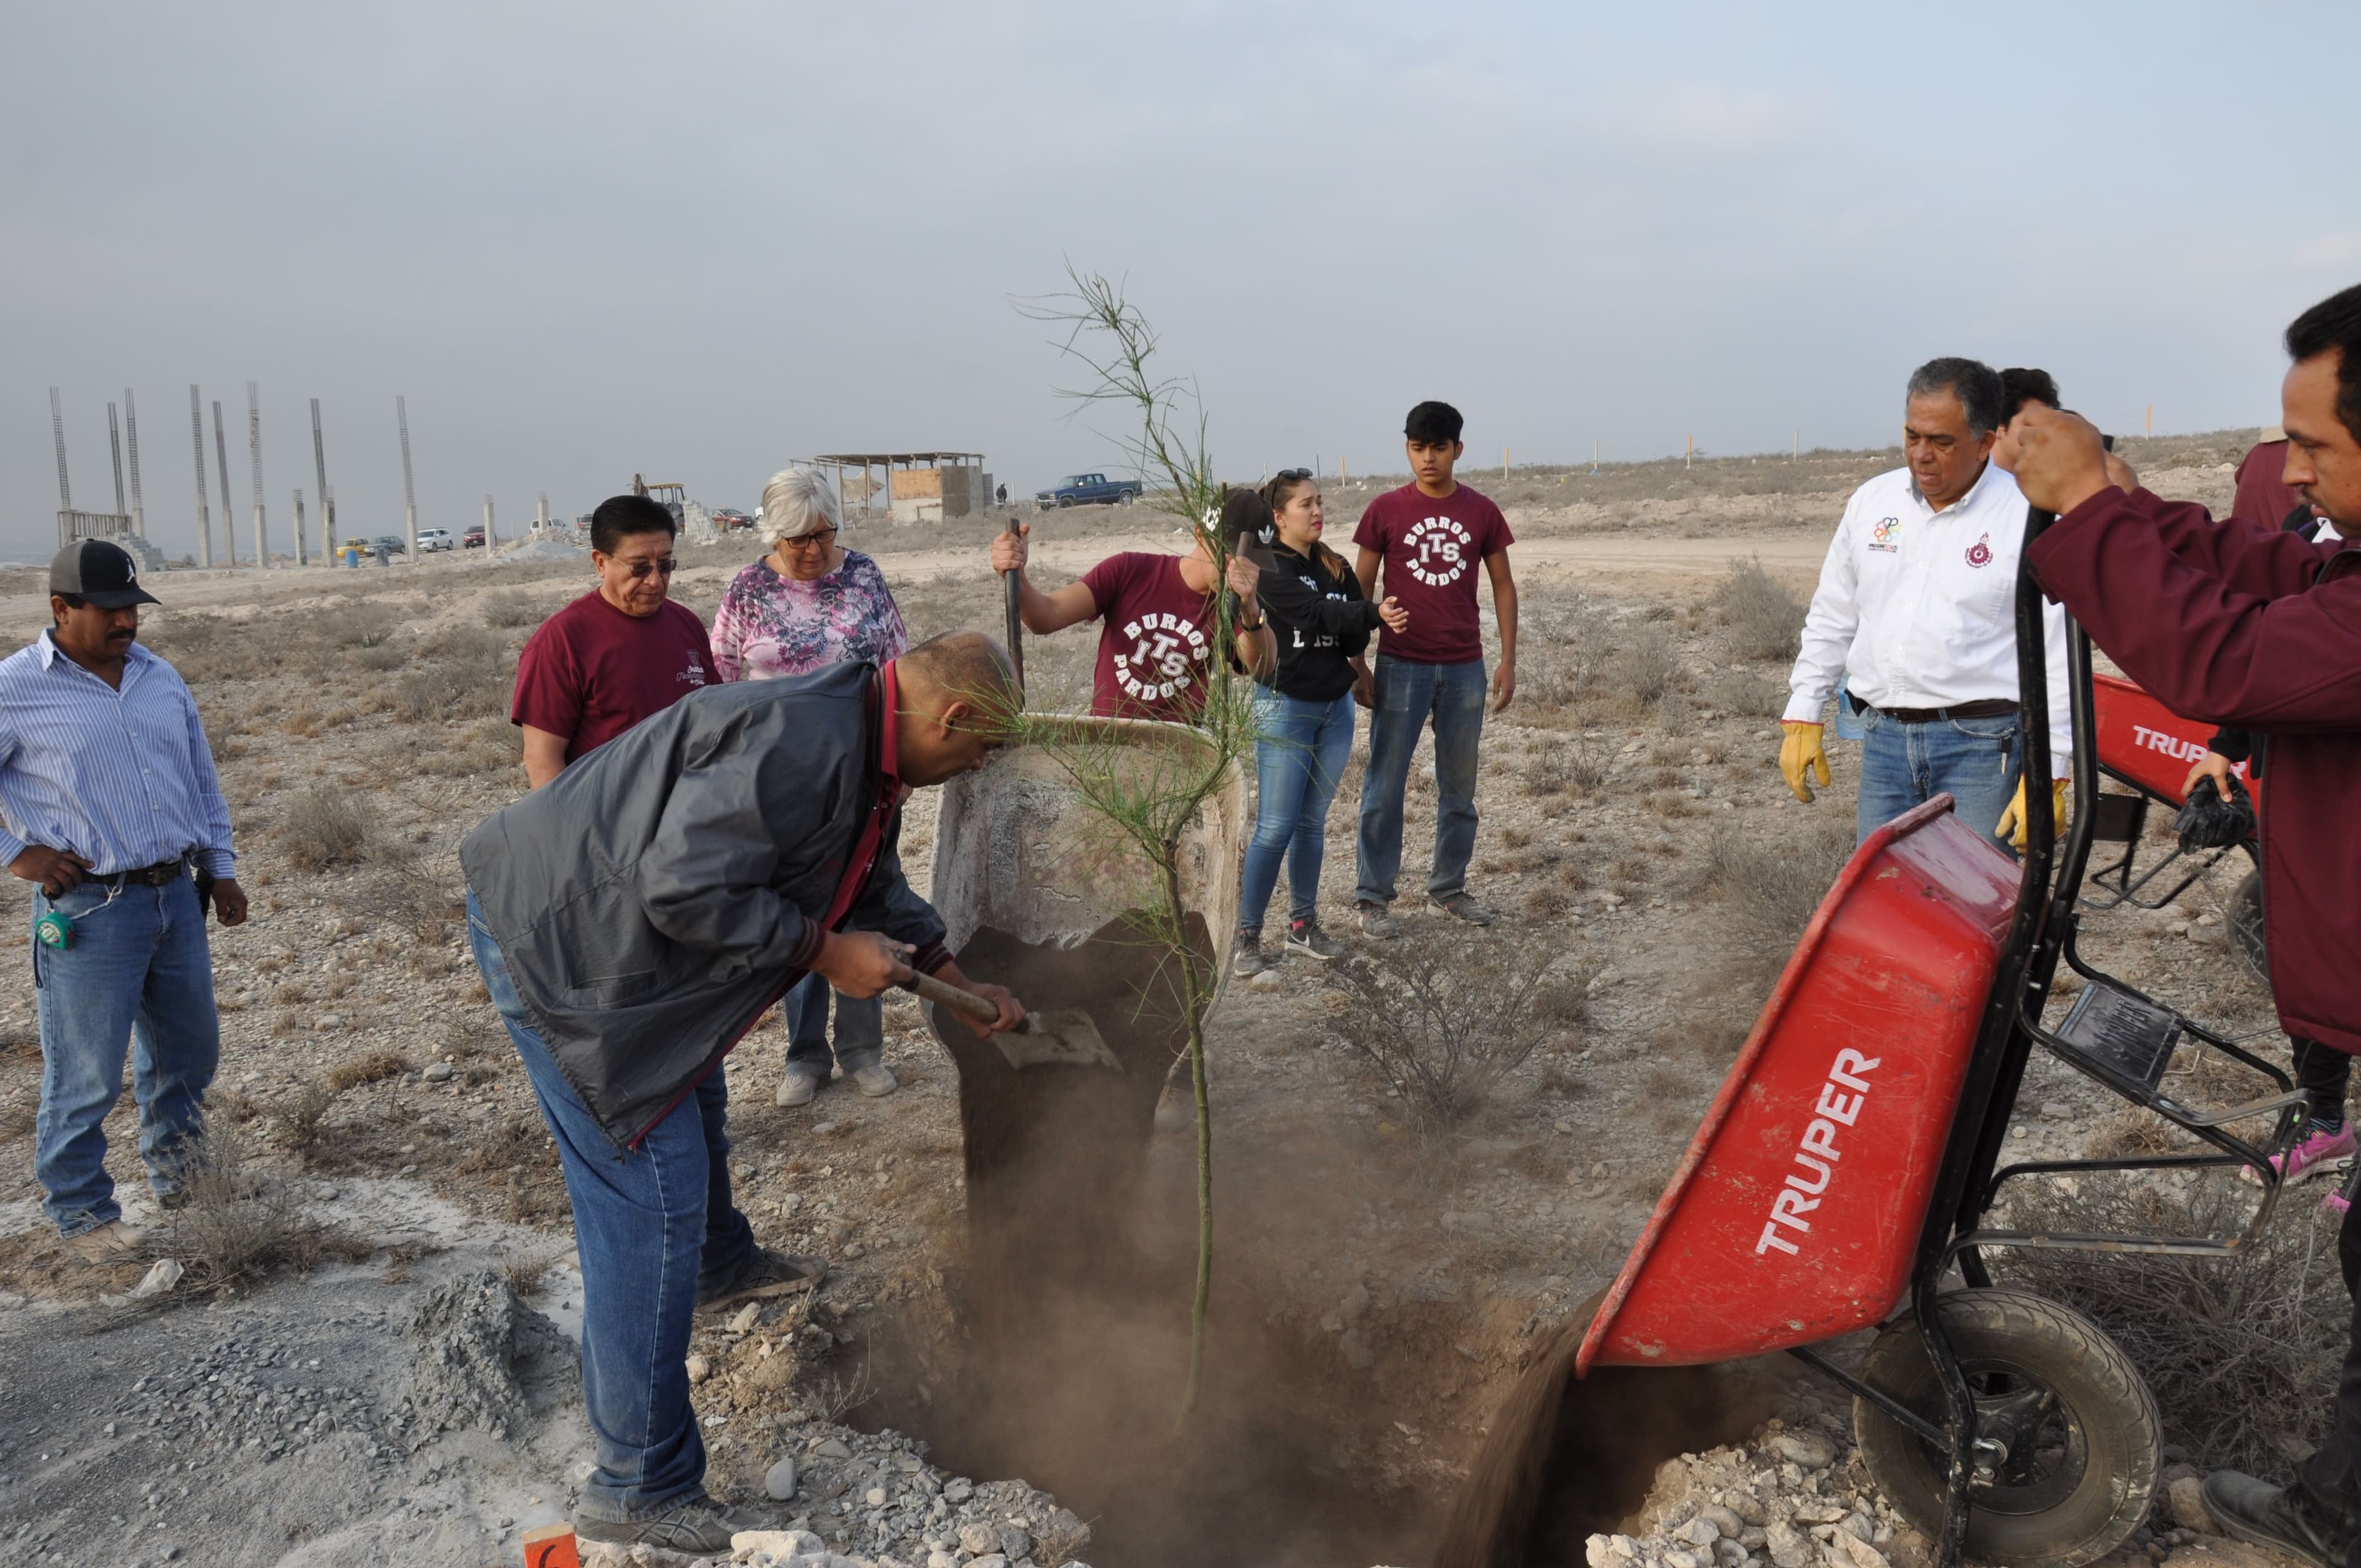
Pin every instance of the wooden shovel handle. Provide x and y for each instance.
(967, 1004)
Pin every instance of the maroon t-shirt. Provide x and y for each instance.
(1157, 640)
(2261, 497)
(1431, 548)
(591, 672)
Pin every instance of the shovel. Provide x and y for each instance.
(1064, 1038)
(1013, 590)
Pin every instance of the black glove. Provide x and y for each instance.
(2210, 822)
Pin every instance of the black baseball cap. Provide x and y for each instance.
(100, 574)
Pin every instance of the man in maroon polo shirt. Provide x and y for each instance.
(2255, 626)
(617, 654)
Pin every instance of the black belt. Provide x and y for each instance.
(162, 874)
(1994, 707)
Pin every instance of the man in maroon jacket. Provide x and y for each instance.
(2260, 628)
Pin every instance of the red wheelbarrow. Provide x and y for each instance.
(1847, 1167)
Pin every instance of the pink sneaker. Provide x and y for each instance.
(2311, 1156)
(2334, 1205)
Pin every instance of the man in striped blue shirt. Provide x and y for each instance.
(110, 804)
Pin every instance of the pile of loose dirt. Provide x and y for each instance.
(484, 1361)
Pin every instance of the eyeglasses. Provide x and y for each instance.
(1292, 474)
(803, 542)
(640, 569)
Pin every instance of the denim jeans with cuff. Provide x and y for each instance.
(1300, 750)
(137, 979)
(1903, 765)
(1409, 698)
(860, 1028)
(648, 1222)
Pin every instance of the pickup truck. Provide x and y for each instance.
(1088, 491)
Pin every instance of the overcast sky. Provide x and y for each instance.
(697, 240)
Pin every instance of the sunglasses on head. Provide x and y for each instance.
(663, 564)
(1292, 474)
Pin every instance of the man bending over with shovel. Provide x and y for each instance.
(2233, 624)
(633, 919)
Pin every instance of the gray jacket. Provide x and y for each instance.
(656, 897)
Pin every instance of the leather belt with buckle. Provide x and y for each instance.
(1995, 707)
(158, 876)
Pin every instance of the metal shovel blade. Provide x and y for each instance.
(1065, 1037)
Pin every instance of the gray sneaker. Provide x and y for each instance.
(1246, 958)
(697, 1526)
(875, 1080)
(1377, 925)
(1461, 905)
(798, 1086)
(1305, 937)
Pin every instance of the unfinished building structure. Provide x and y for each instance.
(917, 486)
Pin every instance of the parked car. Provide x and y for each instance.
(730, 520)
(392, 544)
(433, 539)
(1088, 491)
(474, 537)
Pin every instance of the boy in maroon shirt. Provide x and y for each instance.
(615, 656)
(1157, 644)
(1428, 537)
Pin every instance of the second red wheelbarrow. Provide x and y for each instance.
(1843, 1175)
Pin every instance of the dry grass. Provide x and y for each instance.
(1760, 619)
(1444, 1023)
(1770, 890)
(400, 895)
(514, 610)
(465, 677)
(297, 1119)
(1565, 767)
(325, 826)
(2241, 1354)
(241, 1223)
(370, 1067)
(1642, 670)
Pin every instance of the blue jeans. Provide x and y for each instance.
(139, 972)
(860, 1027)
(1300, 750)
(1409, 696)
(1903, 764)
(647, 1222)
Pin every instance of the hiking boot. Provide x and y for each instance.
(875, 1080)
(110, 1243)
(2277, 1517)
(1305, 937)
(1461, 905)
(764, 1273)
(696, 1526)
(1246, 958)
(1377, 925)
(2314, 1154)
(798, 1086)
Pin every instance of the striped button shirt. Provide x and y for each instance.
(122, 778)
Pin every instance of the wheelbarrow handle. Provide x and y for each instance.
(966, 1003)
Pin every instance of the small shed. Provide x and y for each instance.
(917, 486)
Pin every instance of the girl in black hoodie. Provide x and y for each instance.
(1304, 713)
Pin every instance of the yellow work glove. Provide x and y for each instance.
(1800, 754)
(2012, 821)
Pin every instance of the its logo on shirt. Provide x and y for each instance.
(1886, 535)
(1980, 552)
(1439, 549)
(695, 674)
(1163, 647)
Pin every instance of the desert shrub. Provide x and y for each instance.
(296, 1120)
(367, 1068)
(239, 1221)
(464, 677)
(1746, 691)
(1565, 767)
(381, 657)
(1770, 888)
(1643, 667)
(402, 894)
(1443, 1024)
(1764, 620)
(325, 826)
(359, 626)
(2240, 1352)
(515, 610)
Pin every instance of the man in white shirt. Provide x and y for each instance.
(1915, 610)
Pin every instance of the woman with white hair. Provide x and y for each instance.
(808, 604)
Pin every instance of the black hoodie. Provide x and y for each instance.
(1320, 621)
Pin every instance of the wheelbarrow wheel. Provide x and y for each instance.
(2080, 1429)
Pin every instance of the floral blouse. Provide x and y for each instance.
(769, 626)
